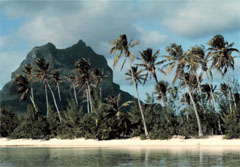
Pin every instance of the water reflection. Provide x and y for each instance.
(104, 157)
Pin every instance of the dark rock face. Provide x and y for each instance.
(64, 60)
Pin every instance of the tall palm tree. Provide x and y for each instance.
(190, 81)
(194, 58)
(57, 80)
(28, 71)
(149, 63)
(161, 90)
(43, 73)
(222, 59)
(84, 79)
(136, 77)
(122, 45)
(177, 58)
(24, 88)
(72, 79)
(98, 76)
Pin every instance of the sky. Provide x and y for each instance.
(25, 24)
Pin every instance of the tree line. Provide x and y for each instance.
(187, 106)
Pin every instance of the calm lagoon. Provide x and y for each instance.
(116, 157)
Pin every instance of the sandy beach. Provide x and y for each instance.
(177, 141)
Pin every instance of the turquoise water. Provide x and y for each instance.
(106, 157)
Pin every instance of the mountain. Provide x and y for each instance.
(64, 60)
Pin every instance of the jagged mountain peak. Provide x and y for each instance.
(64, 60)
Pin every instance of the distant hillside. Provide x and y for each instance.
(62, 59)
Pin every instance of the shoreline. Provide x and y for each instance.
(136, 142)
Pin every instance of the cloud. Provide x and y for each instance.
(151, 38)
(201, 18)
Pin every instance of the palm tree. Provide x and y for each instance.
(114, 102)
(208, 90)
(56, 79)
(149, 63)
(198, 55)
(43, 73)
(222, 60)
(122, 45)
(98, 76)
(84, 79)
(177, 58)
(28, 71)
(161, 90)
(72, 79)
(191, 82)
(194, 58)
(122, 116)
(224, 88)
(23, 85)
(136, 77)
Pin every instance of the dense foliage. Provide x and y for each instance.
(192, 108)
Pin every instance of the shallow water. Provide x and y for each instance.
(117, 157)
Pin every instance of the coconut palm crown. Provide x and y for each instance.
(149, 63)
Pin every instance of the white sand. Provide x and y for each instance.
(176, 142)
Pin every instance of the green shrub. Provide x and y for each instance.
(8, 122)
(32, 124)
(231, 124)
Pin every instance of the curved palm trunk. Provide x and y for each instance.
(34, 105)
(32, 100)
(75, 94)
(139, 103)
(54, 100)
(140, 107)
(90, 99)
(59, 94)
(214, 103)
(200, 133)
(46, 94)
(200, 90)
(32, 93)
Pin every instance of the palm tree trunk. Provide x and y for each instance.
(59, 94)
(87, 102)
(54, 100)
(46, 94)
(214, 103)
(200, 133)
(90, 99)
(185, 101)
(139, 103)
(200, 90)
(100, 93)
(155, 77)
(140, 107)
(34, 105)
(32, 93)
(75, 95)
(231, 89)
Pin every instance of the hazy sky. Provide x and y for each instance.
(156, 23)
